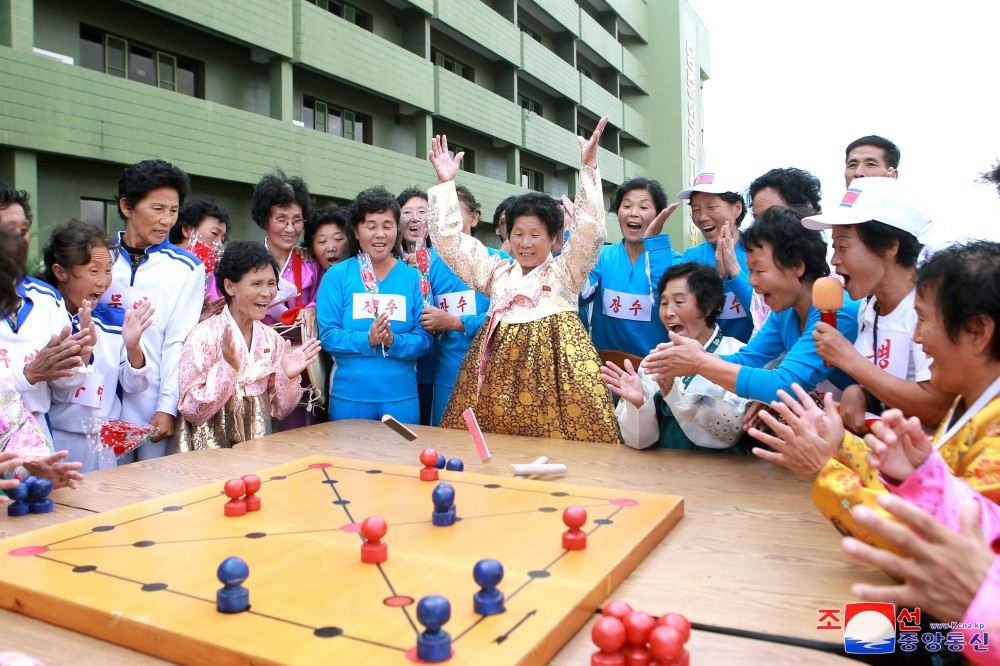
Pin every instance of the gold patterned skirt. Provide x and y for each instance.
(543, 380)
(240, 420)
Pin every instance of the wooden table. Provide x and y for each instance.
(751, 553)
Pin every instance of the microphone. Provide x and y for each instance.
(828, 297)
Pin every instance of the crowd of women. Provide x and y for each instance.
(392, 306)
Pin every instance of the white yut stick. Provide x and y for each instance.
(533, 468)
(540, 461)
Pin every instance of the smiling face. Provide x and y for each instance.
(679, 310)
(210, 230)
(637, 210)
(377, 235)
(12, 218)
(530, 243)
(329, 245)
(86, 281)
(952, 361)
(779, 286)
(413, 219)
(150, 220)
(284, 227)
(861, 268)
(251, 296)
(709, 212)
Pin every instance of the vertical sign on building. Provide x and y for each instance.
(692, 121)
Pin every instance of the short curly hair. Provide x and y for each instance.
(13, 253)
(277, 189)
(965, 280)
(240, 258)
(373, 200)
(704, 282)
(791, 243)
(330, 214)
(801, 190)
(10, 195)
(544, 207)
(192, 213)
(888, 148)
(143, 177)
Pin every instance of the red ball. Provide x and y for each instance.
(429, 457)
(373, 528)
(678, 622)
(666, 643)
(618, 609)
(235, 488)
(638, 626)
(575, 516)
(608, 634)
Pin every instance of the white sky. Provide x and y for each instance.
(794, 81)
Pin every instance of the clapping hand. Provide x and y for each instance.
(725, 253)
(294, 361)
(897, 445)
(808, 438)
(623, 381)
(588, 147)
(655, 227)
(137, 321)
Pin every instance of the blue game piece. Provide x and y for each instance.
(38, 496)
(233, 598)
(444, 505)
(19, 506)
(489, 600)
(441, 461)
(455, 465)
(434, 644)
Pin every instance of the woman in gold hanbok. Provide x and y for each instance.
(532, 369)
(236, 372)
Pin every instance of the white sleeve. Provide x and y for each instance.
(182, 320)
(639, 426)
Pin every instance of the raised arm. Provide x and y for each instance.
(587, 231)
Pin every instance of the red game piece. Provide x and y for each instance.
(253, 485)
(236, 506)
(574, 538)
(618, 609)
(638, 626)
(373, 550)
(609, 635)
(678, 622)
(429, 458)
(667, 645)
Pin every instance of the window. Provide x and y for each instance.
(529, 104)
(586, 72)
(468, 162)
(325, 117)
(533, 180)
(117, 56)
(443, 60)
(529, 32)
(348, 12)
(102, 214)
(584, 131)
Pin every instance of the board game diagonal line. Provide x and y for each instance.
(392, 589)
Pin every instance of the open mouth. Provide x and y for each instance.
(846, 278)
(677, 329)
(633, 226)
(708, 229)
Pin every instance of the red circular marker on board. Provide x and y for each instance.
(411, 655)
(624, 502)
(320, 465)
(351, 528)
(28, 551)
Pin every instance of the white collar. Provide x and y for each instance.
(239, 333)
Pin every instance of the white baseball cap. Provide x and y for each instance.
(707, 182)
(880, 199)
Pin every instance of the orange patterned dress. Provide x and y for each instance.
(532, 369)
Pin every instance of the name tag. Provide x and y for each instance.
(732, 308)
(635, 307)
(457, 303)
(892, 353)
(91, 393)
(394, 305)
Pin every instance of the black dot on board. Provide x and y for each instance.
(330, 481)
(154, 587)
(144, 544)
(256, 535)
(103, 528)
(538, 574)
(548, 509)
(172, 508)
(492, 486)
(559, 494)
(603, 521)
(328, 632)
(341, 502)
(85, 568)
(373, 471)
(278, 478)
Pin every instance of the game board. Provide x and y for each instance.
(144, 576)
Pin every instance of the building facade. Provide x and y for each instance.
(345, 94)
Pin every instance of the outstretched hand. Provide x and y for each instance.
(445, 165)
(294, 361)
(623, 381)
(808, 438)
(62, 474)
(588, 147)
(655, 227)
